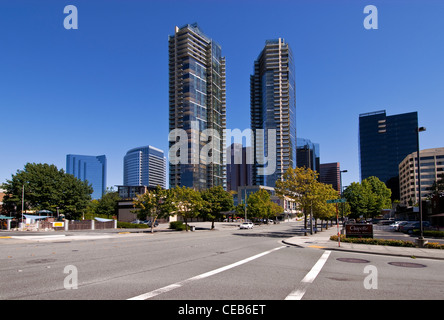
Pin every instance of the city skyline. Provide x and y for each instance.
(103, 68)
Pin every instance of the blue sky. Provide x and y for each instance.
(103, 88)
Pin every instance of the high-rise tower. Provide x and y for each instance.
(144, 166)
(89, 168)
(197, 104)
(384, 141)
(273, 107)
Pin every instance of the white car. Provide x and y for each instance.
(395, 226)
(246, 225)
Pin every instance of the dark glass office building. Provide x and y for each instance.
(89, 168)
(308, 154)
(384, 141)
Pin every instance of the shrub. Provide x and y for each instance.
(430, 233)
(121, 224)
(434, 245)
(177, 225)
(382, 242)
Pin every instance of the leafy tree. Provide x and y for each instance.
(258, 204)
(188, 203)
(108, 204)
(298, 184)
(437, 186)
(46, 188)
(368, 198)
(321, 209)
(157, 203)
(216, 200)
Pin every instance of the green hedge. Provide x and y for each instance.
(125, 225)
(430, 233)
(386, 242)
(177, 225)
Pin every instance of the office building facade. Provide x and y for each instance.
(308, 154)
(144, 166)
(89, 168)
(273, 107)
(197, 106)
(432, 166)
(384, 141)
(330, 173)
(238, 166)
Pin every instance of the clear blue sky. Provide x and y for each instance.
(103, 89)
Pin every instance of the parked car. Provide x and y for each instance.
(409, 227)
(156, 223)
(246, 225)
(395, 226)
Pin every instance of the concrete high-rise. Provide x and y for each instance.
(89, 168)
(144, 166)
(197, 106)
(273, 107)
(432, 167)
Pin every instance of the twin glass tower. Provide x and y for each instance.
(197, 103)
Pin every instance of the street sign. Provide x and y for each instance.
(359, 231)
(337, 201)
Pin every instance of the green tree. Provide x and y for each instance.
(321, 209)
(46, 188)
(437, 186)
(157, 203)
(368, 198)
(188, 203)
(109, 204)
(216, 200)
(258, 204)
(298, 184)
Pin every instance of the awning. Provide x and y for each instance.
(33, 217)
(103, 220)
(437, 215)
(5, 217)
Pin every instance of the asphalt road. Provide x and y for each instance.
(224, 264)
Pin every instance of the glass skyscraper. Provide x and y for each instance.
(308, 154)
(197, 103)
(89, 168)
(384, 141)
(273, 106)
(144, 166)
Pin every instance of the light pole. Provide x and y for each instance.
(340, 192)
(420, 240)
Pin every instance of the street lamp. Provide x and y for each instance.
(340, 182)
(421, 241)
(341, 191)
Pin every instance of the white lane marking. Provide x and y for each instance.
(179, 284)
(309, 278)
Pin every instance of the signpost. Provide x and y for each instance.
(337, 216)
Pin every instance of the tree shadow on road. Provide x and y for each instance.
(294, 232)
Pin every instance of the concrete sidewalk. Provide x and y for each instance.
(321, 240)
